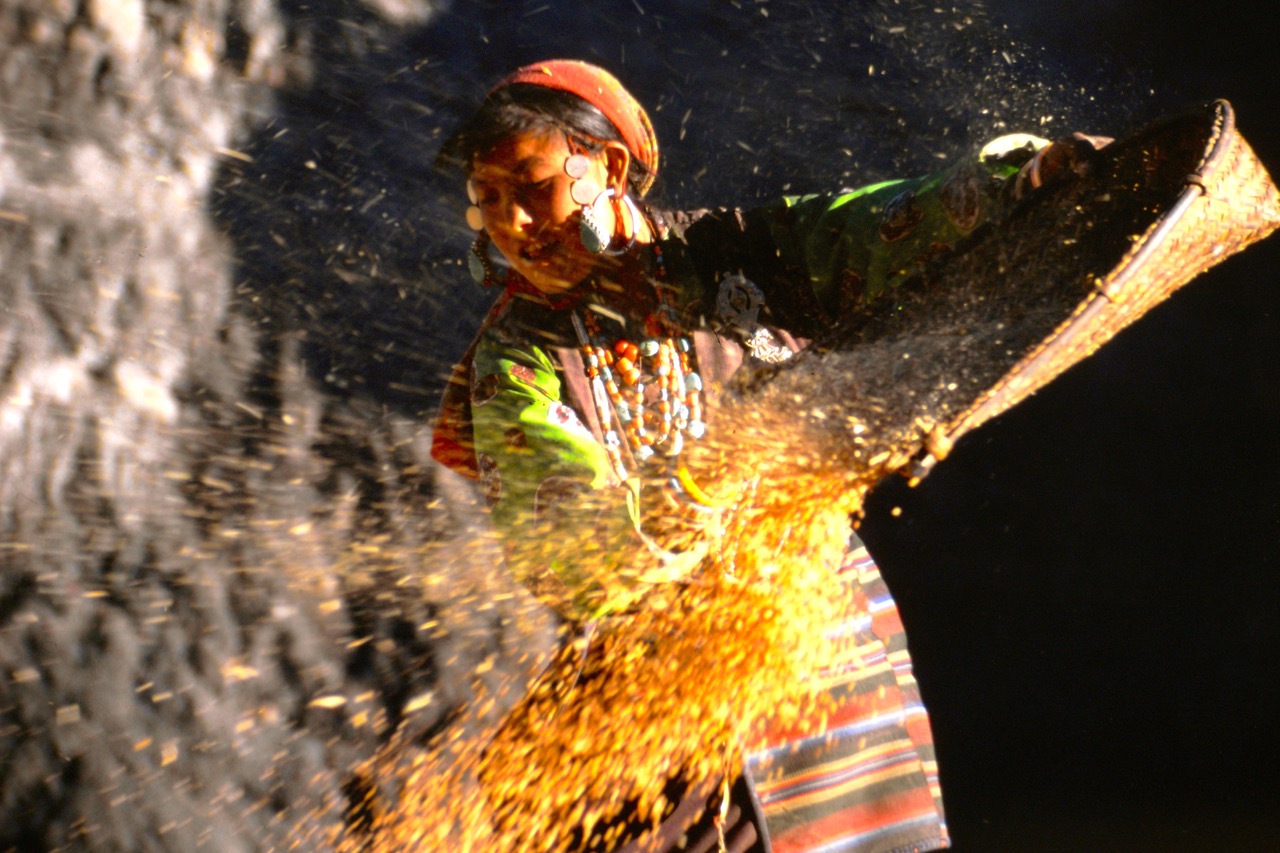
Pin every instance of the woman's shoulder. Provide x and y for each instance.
(525, 322)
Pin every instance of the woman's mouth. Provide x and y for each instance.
(537, 251)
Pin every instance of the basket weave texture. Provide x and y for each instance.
(1228, 201)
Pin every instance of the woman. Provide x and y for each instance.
(593, 375)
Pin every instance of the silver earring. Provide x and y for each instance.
(479, 264)
(595, 239)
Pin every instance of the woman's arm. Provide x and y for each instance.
(817, 257)
(859, 245)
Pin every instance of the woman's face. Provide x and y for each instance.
(524, 196)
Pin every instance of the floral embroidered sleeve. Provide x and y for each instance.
(570, 530)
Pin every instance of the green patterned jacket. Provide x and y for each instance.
(520, 415)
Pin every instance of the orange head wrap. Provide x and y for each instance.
(603, 91)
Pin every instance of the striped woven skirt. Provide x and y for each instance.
(869, 782)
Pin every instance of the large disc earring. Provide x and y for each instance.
(576, 166)
(475, 219)
(595, 239)
(479, 265)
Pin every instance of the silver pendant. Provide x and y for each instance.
(739, 302)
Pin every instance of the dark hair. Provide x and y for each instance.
(521, 107)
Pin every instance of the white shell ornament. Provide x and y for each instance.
(576, 165)
(584, 192)
(475, 219)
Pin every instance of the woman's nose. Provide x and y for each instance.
(516, 215)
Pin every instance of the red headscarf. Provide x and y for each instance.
(603, 91)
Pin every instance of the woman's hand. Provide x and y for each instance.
(1065, 158)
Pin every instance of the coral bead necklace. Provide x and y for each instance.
(647, 394)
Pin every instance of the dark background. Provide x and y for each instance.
(1089, 582)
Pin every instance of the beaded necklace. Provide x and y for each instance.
(647, 394)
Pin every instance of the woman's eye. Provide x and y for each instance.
(542, 187)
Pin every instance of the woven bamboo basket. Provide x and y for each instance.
(1224, 201)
